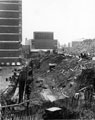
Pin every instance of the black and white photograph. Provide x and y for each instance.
(47, 59)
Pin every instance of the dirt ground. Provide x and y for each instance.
(5, 72)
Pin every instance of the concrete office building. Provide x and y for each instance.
(10, 32)
(43, 41)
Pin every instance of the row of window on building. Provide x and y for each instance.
(10, 64)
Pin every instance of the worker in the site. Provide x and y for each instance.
(29, 81)
(22, 79)
(54, 51)
(81, 100)
(84, 56)
(37, 63)
(94, 85)
(89, 94)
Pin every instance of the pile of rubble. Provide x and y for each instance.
(70, 76)
(68, 71)
(62, 80)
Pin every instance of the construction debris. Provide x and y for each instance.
(65, 80)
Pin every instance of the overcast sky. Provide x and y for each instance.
(68, 19)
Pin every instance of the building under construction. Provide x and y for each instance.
(10, 32)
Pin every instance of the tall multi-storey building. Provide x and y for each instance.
(10, 32)
(43, 40)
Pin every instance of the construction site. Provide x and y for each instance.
(40, 82)
(50, 86)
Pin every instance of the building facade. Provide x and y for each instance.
(10, 32)
(43, 40)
